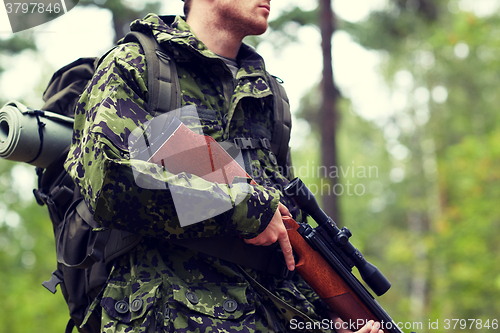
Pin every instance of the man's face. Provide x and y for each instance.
(247, 17)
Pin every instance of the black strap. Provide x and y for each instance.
(282, 122)
(70, 326)
(268, 259)
(163, 83)
(41, 126)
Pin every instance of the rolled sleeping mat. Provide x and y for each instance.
(33, 136)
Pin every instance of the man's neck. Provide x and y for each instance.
(218, 39)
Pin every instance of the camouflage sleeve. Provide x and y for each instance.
(133, 195)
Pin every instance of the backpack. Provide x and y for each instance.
(85, 251)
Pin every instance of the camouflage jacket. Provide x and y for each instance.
(159, 286)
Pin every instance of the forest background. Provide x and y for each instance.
(417, 139)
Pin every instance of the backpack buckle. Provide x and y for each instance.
(41, 198)
(55, 279)
(265, 143)
(243, 143)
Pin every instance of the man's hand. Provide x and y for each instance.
(370, 327)
(276, 231)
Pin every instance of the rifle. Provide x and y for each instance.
(326, 256)
(326, 259)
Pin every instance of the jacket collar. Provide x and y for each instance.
(176, 34)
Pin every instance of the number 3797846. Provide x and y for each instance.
(32, 7)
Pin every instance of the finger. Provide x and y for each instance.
(254, 241)
(287, 250)
(264, 239)
(375, 328)
(283, 210)
(371, 327)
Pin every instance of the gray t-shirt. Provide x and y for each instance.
(232, 64)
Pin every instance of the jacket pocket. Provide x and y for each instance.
(130, 306)
(221, 306)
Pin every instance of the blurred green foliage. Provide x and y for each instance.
(27, 257)
(430, 219)
(419, 188)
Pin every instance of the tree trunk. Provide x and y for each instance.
(328, 114)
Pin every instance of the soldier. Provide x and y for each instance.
(160, 285)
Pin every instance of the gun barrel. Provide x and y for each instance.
(305, 200)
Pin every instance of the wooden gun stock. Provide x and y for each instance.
(332, 289)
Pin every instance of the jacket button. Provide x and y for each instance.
(136, 305)
(121, 307)
(230, 305)
(272, 158)
(192, 298)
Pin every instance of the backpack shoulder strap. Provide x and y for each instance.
(163, 82)
(282, 121)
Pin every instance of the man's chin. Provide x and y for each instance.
(258, 30)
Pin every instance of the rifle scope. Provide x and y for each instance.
(337, 240)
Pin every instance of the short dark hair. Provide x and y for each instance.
(187, 7)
